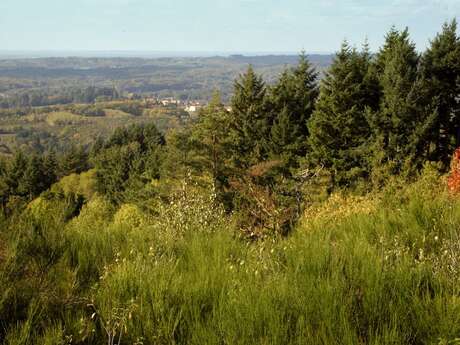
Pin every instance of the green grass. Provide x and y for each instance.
(387, 276)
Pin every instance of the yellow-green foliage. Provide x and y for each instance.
(39, 206)
(379, 269)
(130, 216)
(60, 118)
(35, 118)
(338, 207)
(83, 184)
(189, 210)
(94, 215)
(116, 113)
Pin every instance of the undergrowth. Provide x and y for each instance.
(379, 269)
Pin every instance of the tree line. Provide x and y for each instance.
(395, 110)
(53, 96)
(371, 116)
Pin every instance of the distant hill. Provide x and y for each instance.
(181, 77)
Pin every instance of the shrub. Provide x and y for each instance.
(130, 216)
(378, 269)
(81, 184)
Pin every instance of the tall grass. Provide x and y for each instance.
(378, 270)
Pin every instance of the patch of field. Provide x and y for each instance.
(63, 118)
(58, 127)
(115, 113)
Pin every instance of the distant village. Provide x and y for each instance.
(191, 107)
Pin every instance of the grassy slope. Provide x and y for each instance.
(376, 270)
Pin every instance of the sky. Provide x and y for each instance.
(232, 26)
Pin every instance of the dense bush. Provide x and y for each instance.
(377, 270)
(128, 161)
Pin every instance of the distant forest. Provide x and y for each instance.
(51, 81)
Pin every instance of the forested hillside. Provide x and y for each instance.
(51, 81)
(314, 210)
(38, 130)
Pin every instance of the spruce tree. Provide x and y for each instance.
(393, 38)
(338, 127)
(398, 127)
(292, 100)
(440, 73)
(286, 135)
(116, 168)
(75, 160)
(210, 140)
(249, 121)
(33, 181)
(50, 169)
(180, 160)
(128, 162)
(15, 172)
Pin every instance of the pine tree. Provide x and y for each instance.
(249, 121)
(50, 169)
(210, 140)
(15, 172)
(292, 101)
(75, 160)
(338, 127)
(116, 167)
(440, 73)
(33, 181)
(128, 162)
(398, 127)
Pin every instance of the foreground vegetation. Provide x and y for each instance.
(380, 269)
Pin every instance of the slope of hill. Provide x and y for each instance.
(181, 77)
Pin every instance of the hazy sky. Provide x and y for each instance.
(214, 25)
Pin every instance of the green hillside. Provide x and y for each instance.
(314, 208)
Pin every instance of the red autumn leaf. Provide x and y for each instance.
(453, 181)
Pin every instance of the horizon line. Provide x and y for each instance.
(61, 53)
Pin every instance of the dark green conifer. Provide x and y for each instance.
(398, 127)
(210, 140)
(33, 181)
(440, 89)
(338, 127)
(50, 169)
(75, 160)
(249, 120)
(15, 172)
(292, 101)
